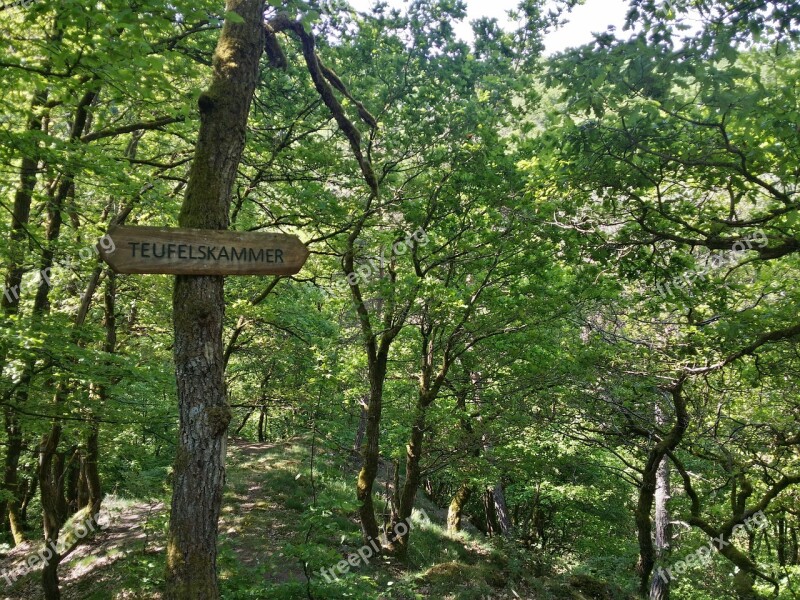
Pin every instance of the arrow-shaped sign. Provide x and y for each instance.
(202, 251)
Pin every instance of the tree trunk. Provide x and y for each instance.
(245, 420)
(51, 463)
(83, 485)
(782, 539)
(11, 482)
(492, 526)
(94, 494)
(498, 520)
(362, 425)
(30, 493)
(456, 508)
(430, 382)
(262, 402)
(501, 510)
(53, 466)
(464, 492)
(394, 495)
(21, 212)
(659, 586)
(73, 491)
(198, 311)
(371, 452)
(54, 503)
(262, 415)
(647, 491)
(412, 478)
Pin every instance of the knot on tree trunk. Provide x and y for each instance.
(205, 103)
(218, 418)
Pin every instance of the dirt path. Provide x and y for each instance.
(265, 496)
(125, 558)
(123, 530)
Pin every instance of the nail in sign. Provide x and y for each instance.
(203, 252)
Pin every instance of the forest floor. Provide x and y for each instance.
(277, 516)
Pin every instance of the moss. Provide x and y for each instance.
(363, 483)
(218, 419)
(450, 570)
(205, 103)
(186, 577)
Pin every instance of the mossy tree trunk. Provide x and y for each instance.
(198, 311)
(371, 452)
(464, 492)
(456, 509)
(413, 472)
(430, 383)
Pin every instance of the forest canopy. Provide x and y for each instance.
(544, 345)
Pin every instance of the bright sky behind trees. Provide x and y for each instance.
(593, 16)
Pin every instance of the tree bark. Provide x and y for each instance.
(33, 487)
(501, 510)
(464, 492)
(371, 452)
(492, 526)
(362, 425)
(52, 466)
(11, 483)
(73, 484)
(456, 508)
(412, 478)
(430, 384)
(262, 416)
(647, 490)
(262, 401)
(198, 311)
(659, 586)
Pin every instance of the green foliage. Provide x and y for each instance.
(598, 226)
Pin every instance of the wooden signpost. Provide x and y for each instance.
(202, 252)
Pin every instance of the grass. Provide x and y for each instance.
(313, 524)
(280, 525)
